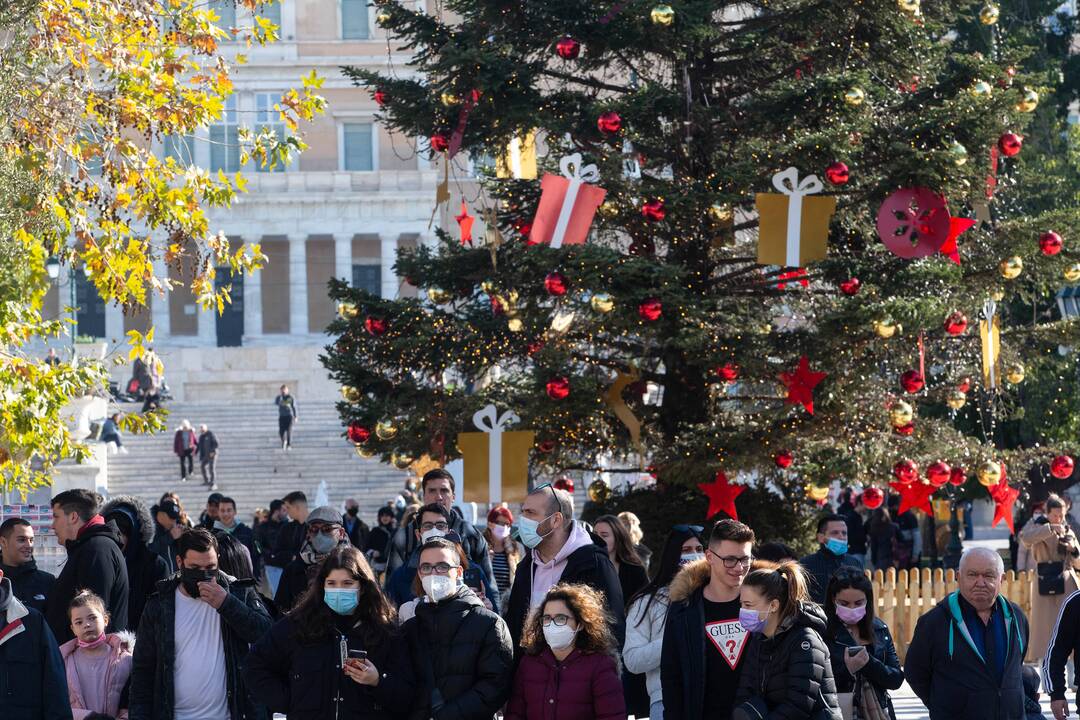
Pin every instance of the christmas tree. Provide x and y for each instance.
(811, 257)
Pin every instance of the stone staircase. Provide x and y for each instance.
(252, 468)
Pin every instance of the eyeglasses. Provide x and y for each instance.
(434, 526)
(547, 486)
(730, 561)
(440, 568)
(696, 529)
(556, 620)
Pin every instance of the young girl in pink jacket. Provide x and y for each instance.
(98, 665)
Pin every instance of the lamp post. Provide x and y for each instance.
(52, 267)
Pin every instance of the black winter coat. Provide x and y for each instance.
(145, 570)
(820, 567)
(243, 621)
(462, 658)
(303, 680)
(404, 543)
(790, 673)
(164, 547)
(358, 533)
(266, 535)
(290, 538)
(95, 562)
(246, 537)
(33, 682)
(883, 671)
(32, 586)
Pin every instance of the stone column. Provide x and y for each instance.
(159, 304)
(387, 258)
(298, 299)
(343, 256)
(252, 303)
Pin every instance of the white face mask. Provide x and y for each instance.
(690, 557)
(500, 532)
(559, 638)
(438, 587)
(432, 533)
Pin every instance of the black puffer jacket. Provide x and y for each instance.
(789, 676)
(145, 568)
(883, 672)
(462, 658)
(32, 586)
(94, 562)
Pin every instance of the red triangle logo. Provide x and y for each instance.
(729, 637)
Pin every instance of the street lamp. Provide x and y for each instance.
(52, 267)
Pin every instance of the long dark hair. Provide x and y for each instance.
(624, 549)
(844, 579)
(666, 568)
(233, 558)
(373, 618)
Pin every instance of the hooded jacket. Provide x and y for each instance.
(145, 568)
(115, 674)
(94, 562)
(32, 586)
(789, 676)
(32, 683)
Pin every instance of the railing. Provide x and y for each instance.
(902, 596)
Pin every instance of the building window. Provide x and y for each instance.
(180, 148)
(224, 140)
(368, 278)
(354, 20)
(267, 117)
(358, 151)
(226, 12)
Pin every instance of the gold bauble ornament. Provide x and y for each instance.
(989, 14)
(363, 451)
(901, 413)
(885, 328)
(989, 473)
(602, 303)
(1072, 273)
(385, 429)
(1011, 267)
(347, 310)
(854, 96)
(439, 296)
(910, 7)
(720, 214)
(1014, 373)
(350, 393)
(959, 153)
(382, 17)
(448, 98)
(817, 494)
(401, 460)
(608, 210)
(515, 325)
(662, 15)
(981, 88)
(1028, 101)
(599, 492)
(956, 399)
(997, 294)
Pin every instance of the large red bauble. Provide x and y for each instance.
(566, 484)
(1050, 243)
(956, 323)
(609, 122)
(653, 210)
(912, 381)
(938, 473)
(964, 385)
(558, 388)
(375, 326)
(568, 48)
(783, 459)
(728, 372)
(439, 143)
(650, 310)
(837, 173)
(545, 446)
(851, 286)
(1010, 144)
(872, 498)
(905, 471)
(958, 476)
(1061, 467)
(555, 283)
(358, 434)
(380, 97)
(904, 430)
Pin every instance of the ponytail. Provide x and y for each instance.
(786, 583)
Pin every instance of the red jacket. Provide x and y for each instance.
(184, 440)
(584, 686)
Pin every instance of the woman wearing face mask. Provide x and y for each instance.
(505, 553)
(98, 665)
(568, 670)
(461, 651)
(648, 611)
(864, 660)
(786, 672)
(338, 654)
(632, 575)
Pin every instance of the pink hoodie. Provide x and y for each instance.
(547, 574)
(112, 672)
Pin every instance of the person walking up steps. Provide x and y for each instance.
(287, 416)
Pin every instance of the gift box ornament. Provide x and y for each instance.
(793, 228)
(567, 204)
(496, 460)
(519, 159)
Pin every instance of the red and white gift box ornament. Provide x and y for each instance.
(567, 204)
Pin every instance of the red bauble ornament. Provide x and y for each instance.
(358, 434)
(380, 97)
(783, 459)
(535, 347)
(1010, 144)
(439, 143)
(872, 498)
(565, 484)
(958, 476)
(956, 323)
(904, 430)
(905, 471)
(851, 286)
(555, 283)
(1061, 467)
(837, 173)
(728, 372)
(964, 385)
(497, 307)
(653, 210)
(375, 326)
(912, 381)
(546, 446)
(650, 310)
(558, 388)
(1050, 243)
(568, 48)
(938, 473)
(609, 122)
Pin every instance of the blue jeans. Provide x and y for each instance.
(656, 711)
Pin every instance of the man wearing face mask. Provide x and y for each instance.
(832, 536)
(324, 533)
(193, 638)
(355, 528)
(559, 550)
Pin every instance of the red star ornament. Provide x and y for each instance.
(801, 383)
(465, 222)
(916, 495)
(721, 495)
(1004, 498)
(957, 226)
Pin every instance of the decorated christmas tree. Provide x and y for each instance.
(787, 242)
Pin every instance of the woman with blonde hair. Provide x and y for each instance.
(633, 526)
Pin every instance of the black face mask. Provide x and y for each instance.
(353, 511)
(191, 577)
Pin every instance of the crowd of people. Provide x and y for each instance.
(537, 615)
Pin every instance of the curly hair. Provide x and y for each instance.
(587, 606)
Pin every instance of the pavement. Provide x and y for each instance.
(909, 707)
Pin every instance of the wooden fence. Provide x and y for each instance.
(902, 596)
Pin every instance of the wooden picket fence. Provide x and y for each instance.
(902, 596)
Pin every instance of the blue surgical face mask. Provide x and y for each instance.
(836, 547)
(341, 600)
(751, 620)
(687, 558)
(526, 531)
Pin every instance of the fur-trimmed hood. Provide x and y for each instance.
(134, 507)
(691, 578)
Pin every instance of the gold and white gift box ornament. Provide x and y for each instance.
(793, 227)
(495, 460)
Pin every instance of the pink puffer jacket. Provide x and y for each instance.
(114, 672)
